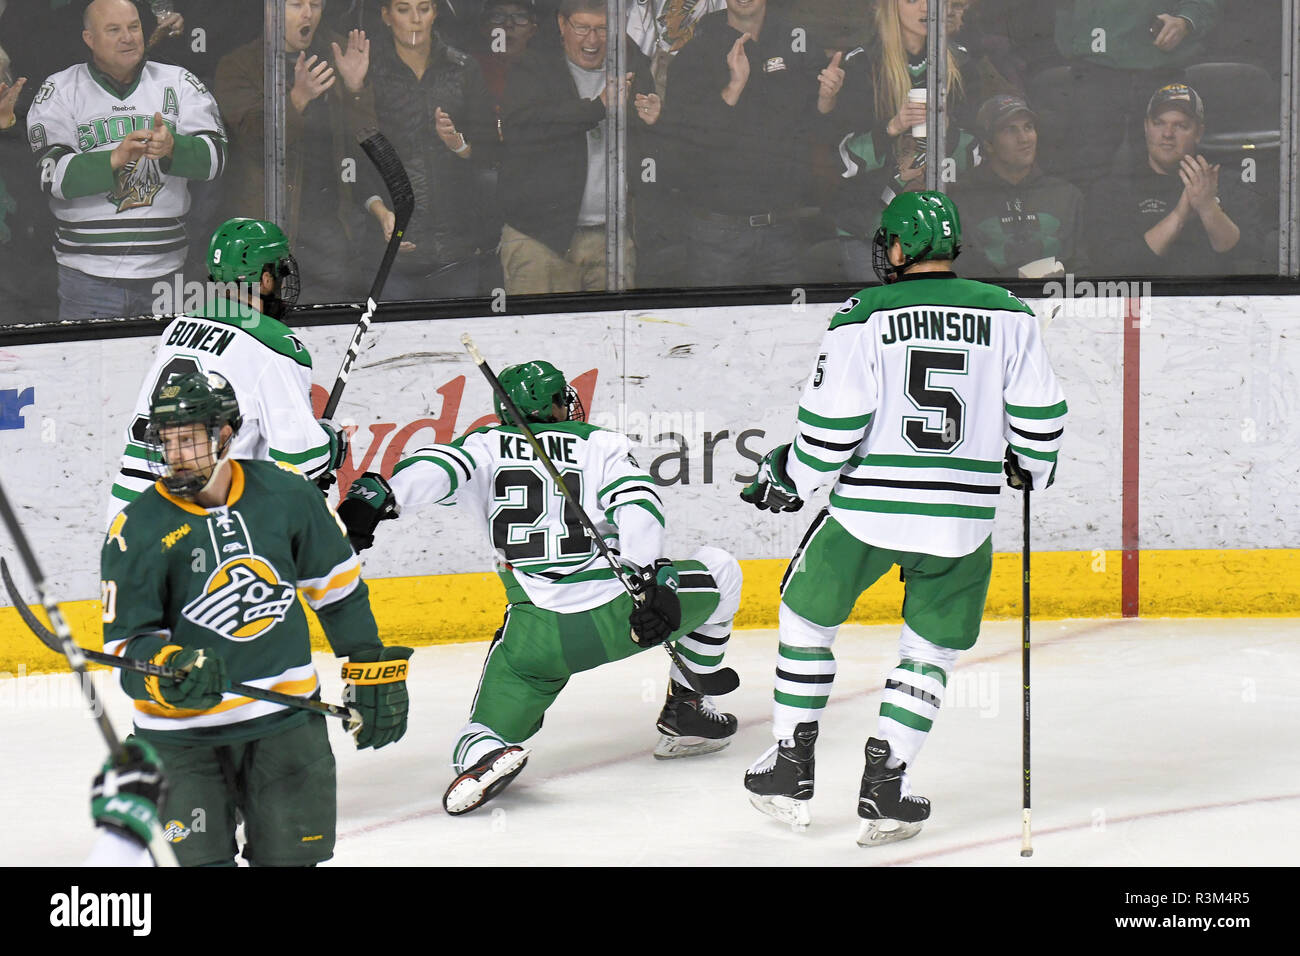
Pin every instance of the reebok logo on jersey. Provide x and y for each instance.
(241, 599)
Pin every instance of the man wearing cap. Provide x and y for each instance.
(1175, 214)
(1019, 222)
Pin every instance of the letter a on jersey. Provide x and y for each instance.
(241, 599)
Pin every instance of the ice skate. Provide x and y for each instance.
(888, 815)
(781, 781)
(483, 781)
(690, 725)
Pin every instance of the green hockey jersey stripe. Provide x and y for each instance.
(451, 472)
(71, 236)
(124, 494)
(838, 424)
(813, 462)
(1037, 412)
(143, 452)
(125, 249)
(922, 485)
(298, 457)
(641, 479)
(150, 222)
(934, 510)
(929, 461)
(272, 333)
(638, 502)
(1033, 453)
(644, 489)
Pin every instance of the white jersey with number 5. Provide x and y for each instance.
(919, 387)
(543, 552)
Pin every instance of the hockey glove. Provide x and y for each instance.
(338, 440)
(375, 685)
(125, 796)
(656, 611)
(200, 688)
(772, 490)
(1018, 477)
(369, 501)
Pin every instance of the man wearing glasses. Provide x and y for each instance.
(552, 183)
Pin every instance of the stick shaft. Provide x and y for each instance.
(1025, 847)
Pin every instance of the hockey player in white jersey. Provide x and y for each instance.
(567, 611)
(116, 141)
(239, 334)
(920, 385)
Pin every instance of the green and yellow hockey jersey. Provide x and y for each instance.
(225, 579)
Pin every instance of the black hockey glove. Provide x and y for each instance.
(369, 501)
(338, 440)
(125, 796)
(772, 490)
(375, 686)
(656, 611)
(1018, 477)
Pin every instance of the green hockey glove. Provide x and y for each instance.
(375, 686)
(125, 796)
(369, 501)
(338, 440)
(772, 490)
(658, 613)
(201, 686)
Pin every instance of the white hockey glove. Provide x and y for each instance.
(772, 490)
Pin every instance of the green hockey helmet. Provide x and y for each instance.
(242, 249)
(926, 226)
(195, 398)
(535, 388)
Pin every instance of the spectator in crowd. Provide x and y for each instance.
(748, 105)
(328, 103)
(552, 185)
(435, 109)
(23, 256)
(1174, 215)
(1118, 51)
(880, 153)
(505, 27)
(1017, 222)
(116, 140)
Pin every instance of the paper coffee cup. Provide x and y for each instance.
(917, 95)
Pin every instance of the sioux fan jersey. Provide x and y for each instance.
(226, 579)
(126, 224)
(267, 366)
(544, 555)
(919, 387)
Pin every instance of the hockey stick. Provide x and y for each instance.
(351, 717)
(1025, 848)
(62, 641)
(386, 160)
(720, 682)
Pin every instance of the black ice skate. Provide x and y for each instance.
(887, 814)
(781, 780)
(690, 725)
(483, 781)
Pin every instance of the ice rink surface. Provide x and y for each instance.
(1155, 743)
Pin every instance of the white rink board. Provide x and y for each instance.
(1210, 368)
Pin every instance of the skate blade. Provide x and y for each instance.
(466, 793)
(786, 809)
(880, 832)
(670, 747)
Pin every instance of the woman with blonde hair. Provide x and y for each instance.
(880, 154)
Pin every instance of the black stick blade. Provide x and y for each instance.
(389, 164)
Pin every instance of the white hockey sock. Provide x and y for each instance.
(704, 647)
(474, 743)
(805, 672)
(913, 694)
